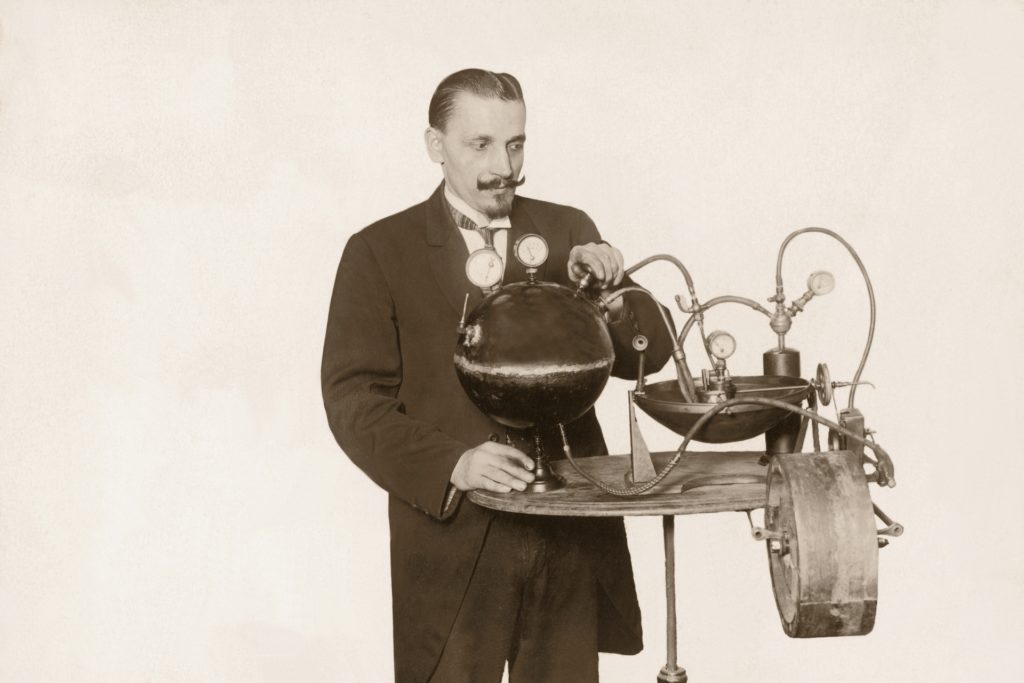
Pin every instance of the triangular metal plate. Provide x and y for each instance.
(642, 467)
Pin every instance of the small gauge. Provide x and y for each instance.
(721, 344)
(821, 282)
(531, 250)
(484, 268)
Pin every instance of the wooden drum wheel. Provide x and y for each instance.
(822, 544)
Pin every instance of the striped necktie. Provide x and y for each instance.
(466, 223)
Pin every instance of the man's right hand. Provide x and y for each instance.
(493, 467)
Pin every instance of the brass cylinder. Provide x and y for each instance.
(782, 437)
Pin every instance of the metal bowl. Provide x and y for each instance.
(663, 402)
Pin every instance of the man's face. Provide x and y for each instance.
(481, 150)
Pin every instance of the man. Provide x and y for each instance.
(473, 588)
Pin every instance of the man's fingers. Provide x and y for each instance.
(505, 478)
(515, 468)
(609, 264)
(603, 261)
(594, 264)
(615, 265)
(489, 485)
(620, 271)
(503, 452)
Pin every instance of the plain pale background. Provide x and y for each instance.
(177, 181)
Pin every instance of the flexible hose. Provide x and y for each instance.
(683, 378)
(884, 462)
(728, 299)
(671, 259)
(867, 281)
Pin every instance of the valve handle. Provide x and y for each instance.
(823, 384)
(825, 387)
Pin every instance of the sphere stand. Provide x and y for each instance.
(545, 478)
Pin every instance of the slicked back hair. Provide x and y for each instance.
(474, 81)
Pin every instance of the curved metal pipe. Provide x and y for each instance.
(728, 299)
(674, 261)
(686, 386)
(867, 281)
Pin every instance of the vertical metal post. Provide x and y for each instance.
(671, 672)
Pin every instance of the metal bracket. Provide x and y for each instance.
(778, 541)
(891, 528)
(852, 419)
(641, 464)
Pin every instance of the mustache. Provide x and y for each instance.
(499, 183)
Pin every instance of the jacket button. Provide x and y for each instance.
(493, 437)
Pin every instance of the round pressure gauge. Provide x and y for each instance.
(484, 268)
(821, 282)
(531, 250)
(721, 344)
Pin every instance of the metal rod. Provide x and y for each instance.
(669, 527)
(894, 527)
(886, 519)
(815, 436)
(671, 672)
(640, 379)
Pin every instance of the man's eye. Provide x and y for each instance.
(479, 146)
(516, 146)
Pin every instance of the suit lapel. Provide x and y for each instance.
(447, 254)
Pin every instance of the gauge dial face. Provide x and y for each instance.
(531, 250)
(484, 268)
(721, 344)
(821, 282)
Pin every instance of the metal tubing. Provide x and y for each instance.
(728, 299)
(867, 281)
(683, 377)
(671, 259)
(884, 473)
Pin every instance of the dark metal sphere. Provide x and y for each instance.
(534, 353)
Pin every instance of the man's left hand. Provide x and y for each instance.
(603, 261)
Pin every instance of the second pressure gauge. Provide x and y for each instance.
(484, 268)
(821, 282)
(531, 250)
(721, 344)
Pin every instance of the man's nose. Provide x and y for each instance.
(501, 163)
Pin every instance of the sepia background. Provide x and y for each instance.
(177, 181)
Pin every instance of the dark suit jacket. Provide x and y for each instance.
(398, 411)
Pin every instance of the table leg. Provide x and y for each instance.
(671, 672)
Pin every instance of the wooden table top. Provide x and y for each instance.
(580, 498)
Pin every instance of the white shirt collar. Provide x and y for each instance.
(472, 214)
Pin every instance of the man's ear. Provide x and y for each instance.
(432, 138)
